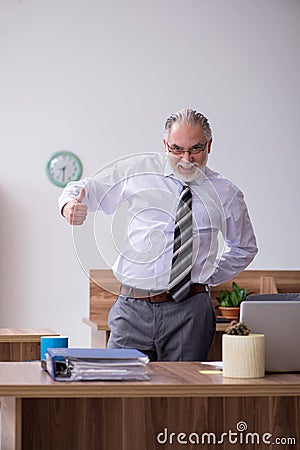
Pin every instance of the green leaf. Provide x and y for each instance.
(233, 297)
(243, 294)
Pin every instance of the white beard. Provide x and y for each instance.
(195, 173)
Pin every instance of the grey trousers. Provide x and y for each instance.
(180, 331)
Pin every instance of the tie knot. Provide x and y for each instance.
(186, 194)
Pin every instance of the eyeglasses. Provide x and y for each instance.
(193, 150)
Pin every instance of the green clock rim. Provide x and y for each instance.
(60, 153)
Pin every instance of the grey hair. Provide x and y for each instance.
(189, 117)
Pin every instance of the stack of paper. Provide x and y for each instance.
(69, 364)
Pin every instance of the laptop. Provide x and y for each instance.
(279, 321)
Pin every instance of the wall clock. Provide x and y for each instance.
(62, 167)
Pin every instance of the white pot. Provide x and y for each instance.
(243, 356)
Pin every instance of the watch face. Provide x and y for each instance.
(63, 167)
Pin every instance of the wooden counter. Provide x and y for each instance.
(22, 344)
(39, 413)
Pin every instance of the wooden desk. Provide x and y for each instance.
(22, 344)
(40, 414)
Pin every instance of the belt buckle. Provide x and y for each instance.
(169, 298)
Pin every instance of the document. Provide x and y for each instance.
(88, 364)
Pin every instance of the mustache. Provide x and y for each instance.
(187, 165)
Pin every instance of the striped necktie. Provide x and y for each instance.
(180, 279)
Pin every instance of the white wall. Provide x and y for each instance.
(99, 78)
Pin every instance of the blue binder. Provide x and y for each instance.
(80, 364)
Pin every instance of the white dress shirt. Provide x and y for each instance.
(142, 193)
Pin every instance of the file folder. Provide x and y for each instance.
(80, 364)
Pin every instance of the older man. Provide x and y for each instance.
(179, 212)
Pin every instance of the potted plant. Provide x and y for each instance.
(243, 353)
(229, 301)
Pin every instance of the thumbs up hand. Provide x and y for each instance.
(81, 195)
(75, 211)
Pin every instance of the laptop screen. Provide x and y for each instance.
(279, 321)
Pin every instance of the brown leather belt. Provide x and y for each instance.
(141, 294)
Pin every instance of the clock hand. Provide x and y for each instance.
(63, 171)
